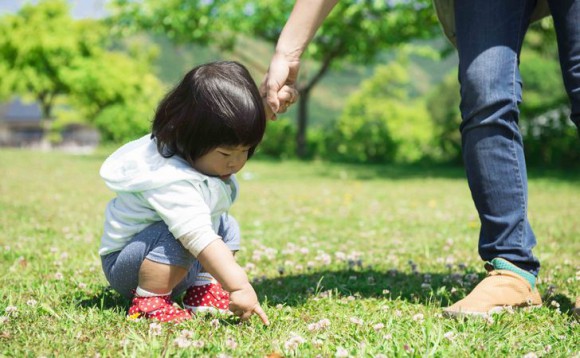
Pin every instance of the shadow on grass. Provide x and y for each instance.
(432, 171)
(438, 289)
(105, 299)
(424, 170)
(420, 288)
(294, 290)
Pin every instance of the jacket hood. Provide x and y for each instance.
(138, 166)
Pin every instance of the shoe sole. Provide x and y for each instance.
(495, 310)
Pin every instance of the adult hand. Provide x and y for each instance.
(279, 84)
(244, 303)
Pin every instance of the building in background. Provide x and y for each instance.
(21, 126)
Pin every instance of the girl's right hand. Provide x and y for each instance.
(244, 303)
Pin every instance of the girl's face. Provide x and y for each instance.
(222, 162)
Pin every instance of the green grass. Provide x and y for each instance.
(376, 251)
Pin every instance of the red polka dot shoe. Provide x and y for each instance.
(206, 295)
(159, 308)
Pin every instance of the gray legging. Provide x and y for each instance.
(157, 244)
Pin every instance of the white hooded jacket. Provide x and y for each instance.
(151, 188)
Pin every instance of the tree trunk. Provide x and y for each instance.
(302, 116)
(46, 105)
(301, 144)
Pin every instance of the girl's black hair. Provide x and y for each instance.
(215, 104)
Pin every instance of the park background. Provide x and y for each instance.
(355, 210)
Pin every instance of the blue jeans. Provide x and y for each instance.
(489, 39)
(157, 244)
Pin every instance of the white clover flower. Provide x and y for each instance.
(317, 343)
(293, 342)
(356, 320)
(182, 342)
(320, 325)
(198, 344)
(231, 343)
(449, 335)
(530, 355)
(418, 317)
(11, 309)
(341, 352)
(186, 333)
(155, 329)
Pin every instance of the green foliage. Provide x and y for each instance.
(543, 87)
(116, 93)
(38, 43)
(380, 25)
(279, 140)
(443, 108)
(355, 31)
(380, 123)
(124, 122)
(550, 138)
(192, 21)
(48, 54)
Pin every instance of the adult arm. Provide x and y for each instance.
(305, 19)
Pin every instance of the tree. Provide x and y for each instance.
(381, 122)
(45, 53)
(37, 43)
(356, 31)
(183, 21)
(115, 92)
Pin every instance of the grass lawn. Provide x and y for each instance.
(347, 260)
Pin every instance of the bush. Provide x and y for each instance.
(380, 123)
(443, 108)
(551, 139)
(122, 123)
(279, 140)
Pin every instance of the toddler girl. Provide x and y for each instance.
(168, 231)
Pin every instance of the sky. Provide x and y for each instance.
(79, 8)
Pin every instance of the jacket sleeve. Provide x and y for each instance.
(183, 208)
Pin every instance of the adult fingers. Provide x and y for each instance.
(270, 114)
(276, 78)
(287, 96)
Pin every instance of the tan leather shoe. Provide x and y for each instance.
(576, 309)
(500, 290)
